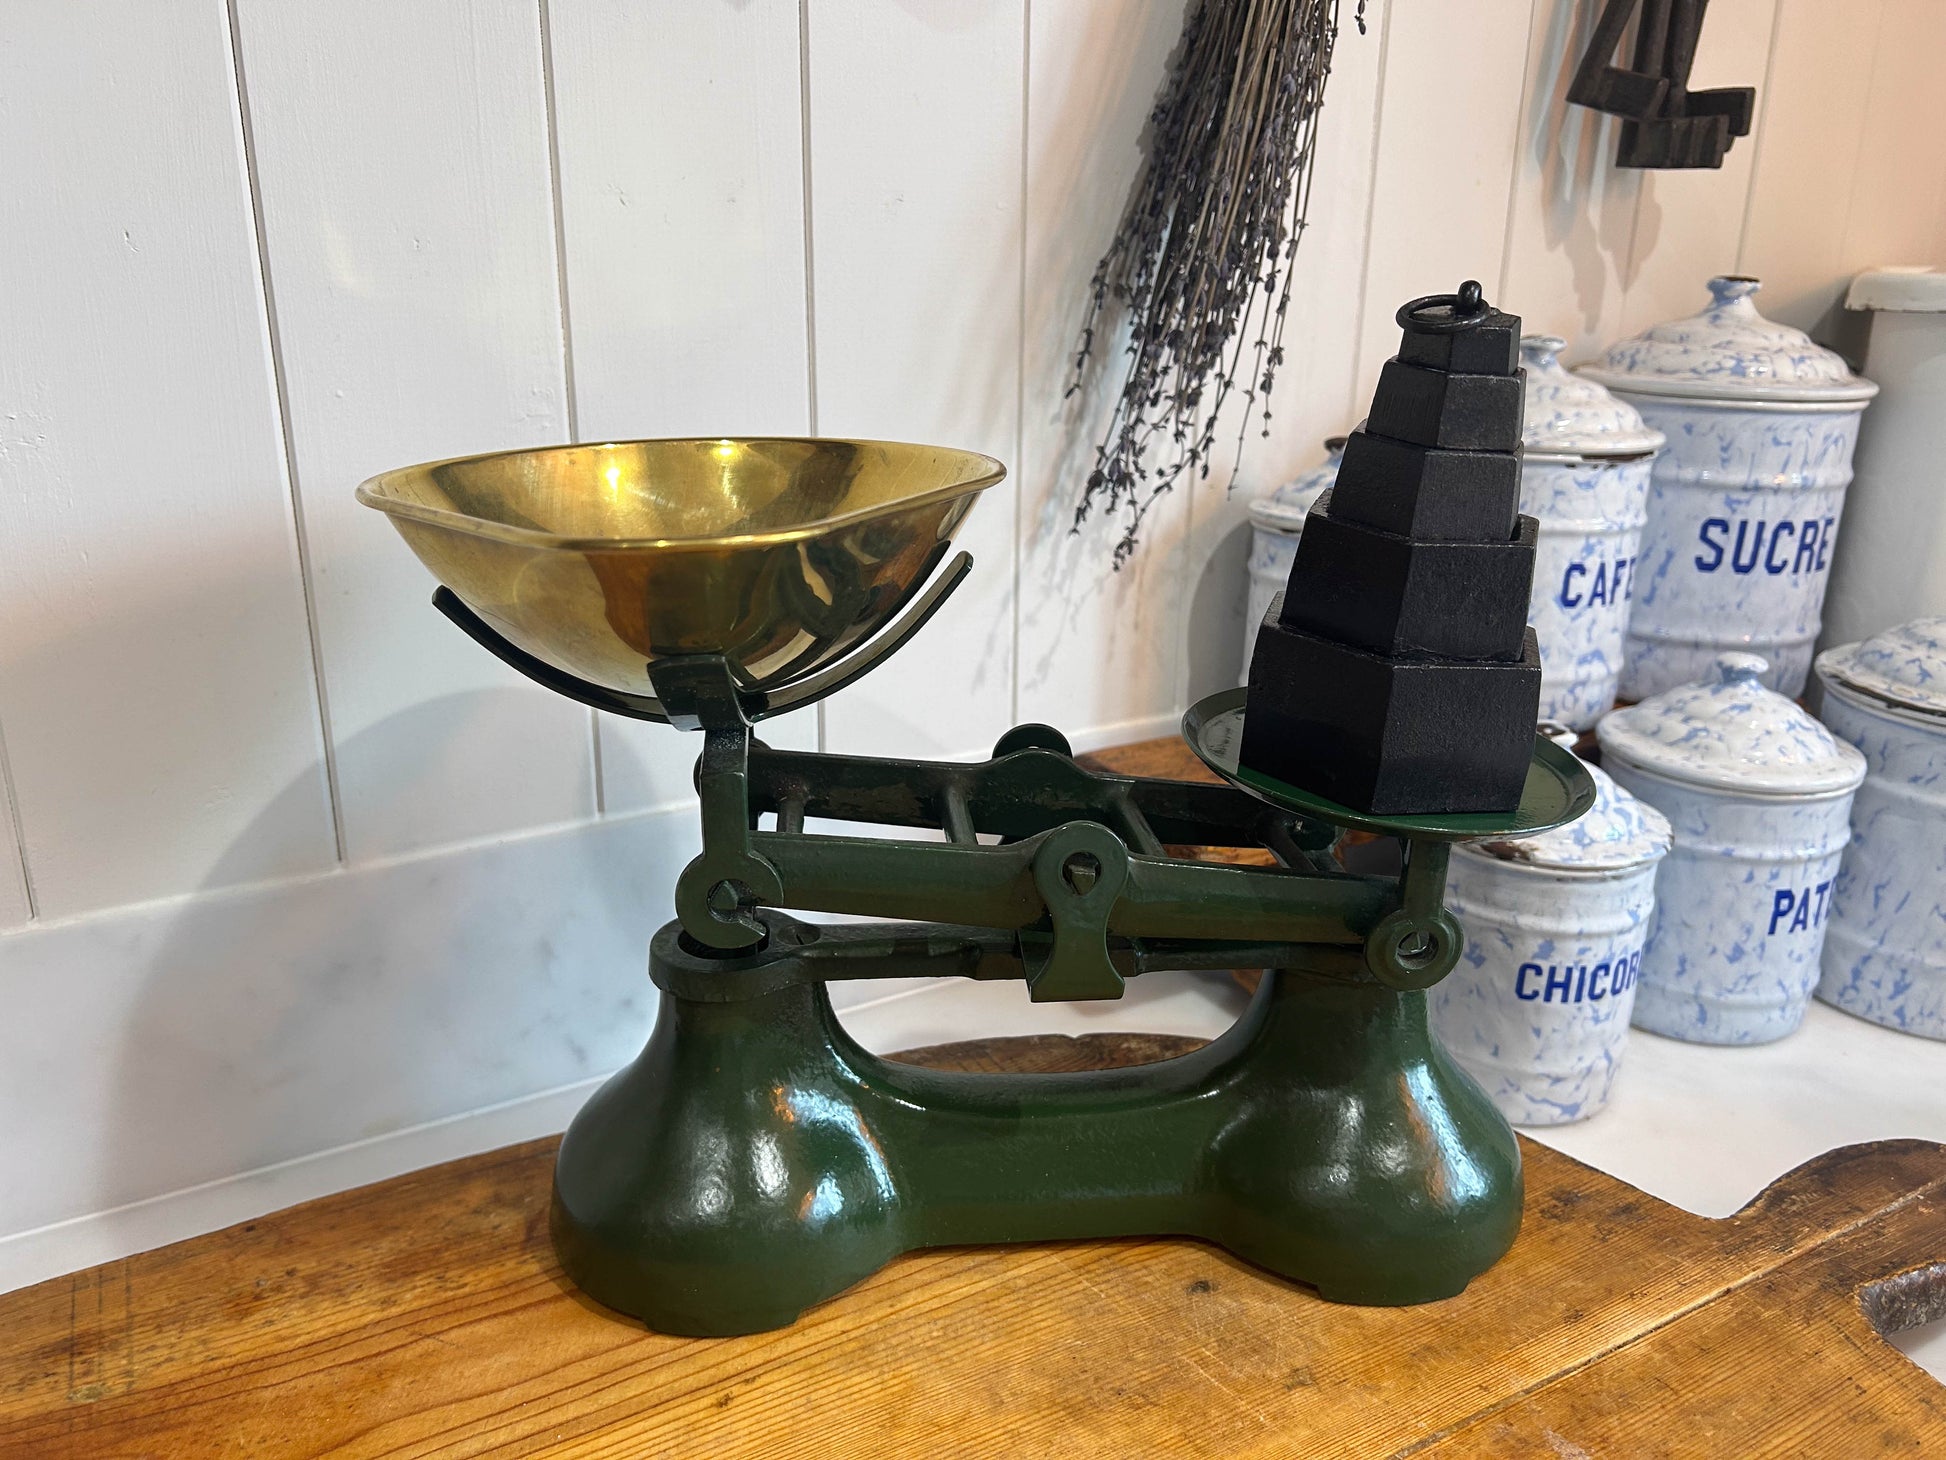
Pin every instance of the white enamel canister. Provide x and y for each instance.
(1759, 797)
(1885, 953)
(1745, 499)
(1585, 478)
(1537, 1009)
(1276, 523)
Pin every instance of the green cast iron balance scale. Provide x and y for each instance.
(754, 1159)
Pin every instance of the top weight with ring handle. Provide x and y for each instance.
(1396, 674)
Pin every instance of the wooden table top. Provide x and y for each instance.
(426, 1316)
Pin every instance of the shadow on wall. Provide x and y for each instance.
(1084, 162)
(121, 804)
(275, 1022)
(1588, 205)
(1217, 602)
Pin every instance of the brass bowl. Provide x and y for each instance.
(778, 553)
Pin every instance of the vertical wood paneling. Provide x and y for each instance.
(1822, 61)
(1316, 394)
(402, 173)
(156, 675)
(16, 907)
(679, 134)
(1315, 391)
(1898, 180)
(1938, 248)
(1573, 211)
(1689, 221)
(1098, 648)
(403, 178)
(916, 182)
(1449, 129)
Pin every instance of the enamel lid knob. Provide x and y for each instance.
(1729, 351)
(1904, 667)
(1729, 732)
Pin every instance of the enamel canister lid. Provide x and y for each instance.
(1615, 834)
(1730, 732)
(1729, 352)
(1570, 417)
(1285, 509)
(1904, 667)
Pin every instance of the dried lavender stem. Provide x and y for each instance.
(1202, 264)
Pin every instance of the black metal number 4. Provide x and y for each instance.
(1665, 123)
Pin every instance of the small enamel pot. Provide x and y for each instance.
(1885, 954)
(1744, 501)
(1759, 797)
(1537, 1009)
(1585, 478)
(1276, 523)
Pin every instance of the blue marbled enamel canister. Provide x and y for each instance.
(1537, 1009)
(1745, 500)
(1885, 953)
(1758, 795)
(1276, 523)
(1585, 478)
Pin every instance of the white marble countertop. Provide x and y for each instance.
(1703, 1127)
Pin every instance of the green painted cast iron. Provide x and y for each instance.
(754, 1160)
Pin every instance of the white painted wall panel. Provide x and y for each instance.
(1822, 60)
(1098, 648)
(1573, 210)
(1316, 392)
(682, 205)
(402, 170)
(1689, 222)
(916, 182)
(156, 679)
(678, 129)
(1449, 130)
(1898, 180)
(16, 906)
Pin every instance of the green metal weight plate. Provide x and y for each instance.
(1558, 789)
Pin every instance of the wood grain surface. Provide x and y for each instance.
(426, 1316)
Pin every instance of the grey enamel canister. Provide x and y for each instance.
(1537, 1009)
(1745, 500)
(1885, 953)
(1758, 796)
(1585, 479)
(1276, 523)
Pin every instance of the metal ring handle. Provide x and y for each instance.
(1469, 307)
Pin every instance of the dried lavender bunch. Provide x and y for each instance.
(1202, 262)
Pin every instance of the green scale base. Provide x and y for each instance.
(755, 1160)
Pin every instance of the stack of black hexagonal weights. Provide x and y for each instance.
(1396, 673)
